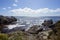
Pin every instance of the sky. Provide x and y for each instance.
(33, 8)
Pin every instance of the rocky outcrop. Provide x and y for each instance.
(5, 20)
(47, 22)
(45, 32)
(45, 27)
(35, 29)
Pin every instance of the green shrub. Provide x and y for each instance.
(3, 36)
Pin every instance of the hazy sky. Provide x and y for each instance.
(33, 8)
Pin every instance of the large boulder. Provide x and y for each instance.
(47, 22)
(35, 29)
(44, 35)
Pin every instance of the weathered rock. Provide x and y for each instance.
(44, 35)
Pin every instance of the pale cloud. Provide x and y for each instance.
(38, 12)
(4, 8)
(9, 7)
(14, 4)
(16, 0)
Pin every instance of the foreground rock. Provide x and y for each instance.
(39, 33)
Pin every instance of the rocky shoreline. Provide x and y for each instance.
(32, 34)
(48, 30)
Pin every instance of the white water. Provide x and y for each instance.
(23, 26)
(14, 25)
